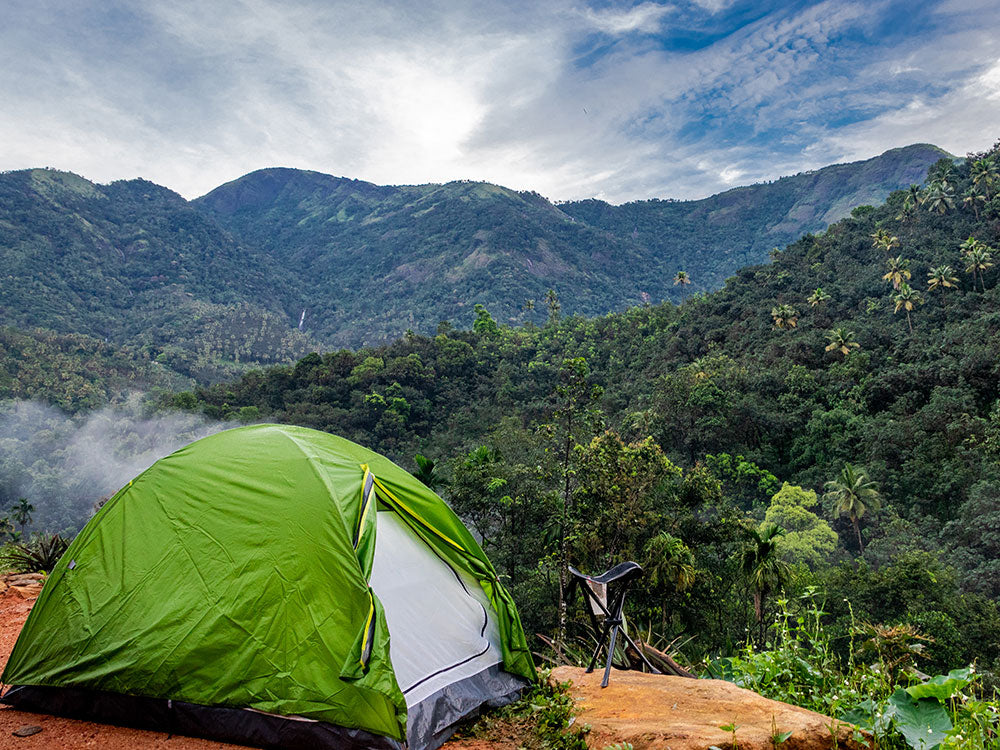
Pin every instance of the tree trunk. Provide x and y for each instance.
(561, 633)
(662, 661)
(563, 547)
(909, 322)
(857, 533)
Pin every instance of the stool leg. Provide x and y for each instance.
(642, 656)
(611, 655)
(600, 642)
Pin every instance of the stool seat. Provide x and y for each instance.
(620, 576)
(625, 571)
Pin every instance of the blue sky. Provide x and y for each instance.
(574, 100)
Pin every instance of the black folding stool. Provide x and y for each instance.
(621, 575)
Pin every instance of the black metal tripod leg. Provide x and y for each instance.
(611, 655)
(600, 642)
(642, 656)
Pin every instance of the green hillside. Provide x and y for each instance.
(134, 263)
(76, 372)
(711, 238)
(210, 287)
(433, 251)
(372, 261)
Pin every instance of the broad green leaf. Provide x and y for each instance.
(924, 724)
(942, 687)
(861, 714)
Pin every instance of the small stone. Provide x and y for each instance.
(27, 730)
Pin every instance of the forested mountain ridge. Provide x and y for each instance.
(433, 251)
(208, 286)
(134, 263)
(712, 237)
(372, 261)
(866, 356)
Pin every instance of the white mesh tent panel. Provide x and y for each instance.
(440, 626)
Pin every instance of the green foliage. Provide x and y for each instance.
(425, 472)
(942, 687)
(543, 719)
(808, 539)
(76, 372)
(743, 481)
(802, 667)
(924, 724)
(39, 555)
(731, 727)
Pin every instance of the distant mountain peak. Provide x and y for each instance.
(369, 261)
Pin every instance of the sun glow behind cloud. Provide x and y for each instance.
(574, 100)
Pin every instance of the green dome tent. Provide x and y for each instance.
(275, 586)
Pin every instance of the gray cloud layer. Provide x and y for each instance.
(562, 98)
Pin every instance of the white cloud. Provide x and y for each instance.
(988, 84)
(191, 94)
(713, 6)
(645, 17)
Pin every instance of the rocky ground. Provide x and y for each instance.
(657, 711)
(648, 711)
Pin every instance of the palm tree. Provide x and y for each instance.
(979, 259)
(940, 197)
(818, 297)
(899, 271)
(22, 513)
(669, 566)
(970, 244)
(914, 199)
(944, 172)
(552, 302)
(785, 316)
(985, 175)
(426, 474)
(852, 494)
(972, 199)
(841, 340)
(764, 569)
(941, 277)
(682, 278)
(906, 299)
(884, 241)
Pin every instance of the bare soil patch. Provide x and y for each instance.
(675, 713)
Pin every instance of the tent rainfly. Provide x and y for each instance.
(274, 586)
